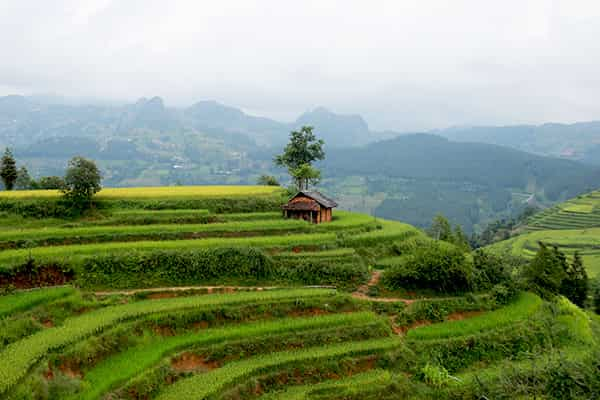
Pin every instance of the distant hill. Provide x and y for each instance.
(420, 175)
(25, 121)
(577, 141)
(411, 177)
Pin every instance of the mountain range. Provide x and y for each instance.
(471, 174)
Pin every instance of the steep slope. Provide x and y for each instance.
(421, 175)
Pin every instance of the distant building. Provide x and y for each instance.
(310, 206)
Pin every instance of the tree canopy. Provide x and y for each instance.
(298, 155)
(82, 181)
(8, 170)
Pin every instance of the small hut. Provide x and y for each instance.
(310, 206)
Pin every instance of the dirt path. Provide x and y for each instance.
(226, 289)
(362, 292)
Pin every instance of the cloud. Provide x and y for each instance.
(403, 64)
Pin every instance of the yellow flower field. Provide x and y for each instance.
(154, 192)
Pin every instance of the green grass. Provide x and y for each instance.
(115, 233)
(71, 254)
(133, 361)
(128, 213)
(358, 382)
(585, 241)
(25, 300)
(211, 383)
(522, 308)
(18, 357)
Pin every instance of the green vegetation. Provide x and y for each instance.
(21, 301)
(205, 385)
(82, 181)
(103, 376)
(522, 308)
(298, 155)
(8, 170)
(354, 384)
(210, 305)
(18, 357)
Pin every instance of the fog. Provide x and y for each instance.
(403, 65)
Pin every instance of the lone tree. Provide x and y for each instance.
(546, 271)
(23, 181)
(298, 155)
(268, 180)
(8, 170)
(82, 181)
(575, 285)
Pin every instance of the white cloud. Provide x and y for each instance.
(402, 64)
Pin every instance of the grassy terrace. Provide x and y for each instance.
(578, 213)
(356, 382)
(209, 384)
(73, 253)
(522, 308)
(585, 241)
(135, 360)
(17, 358)
(12, 238)
(22, 301)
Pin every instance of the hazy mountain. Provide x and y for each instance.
(24, 121)
(337, 130)
(573, 141)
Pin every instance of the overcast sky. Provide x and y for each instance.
(403, 65)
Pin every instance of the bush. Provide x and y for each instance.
(492, 269)
(437, 267)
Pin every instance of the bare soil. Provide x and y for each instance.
(187, 362)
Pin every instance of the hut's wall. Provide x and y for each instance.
(307, 209)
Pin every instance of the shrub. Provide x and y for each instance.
(492, 269)
(437, 267)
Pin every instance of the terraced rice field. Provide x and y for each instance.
(579, 213)
(276, 344)
(572, 226)
(158, 305)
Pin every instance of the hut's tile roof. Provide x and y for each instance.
(318, 197)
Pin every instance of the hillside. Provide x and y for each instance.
(413, 177)
(573, 225)
(201, 293)
(578, 141)
(410, 178)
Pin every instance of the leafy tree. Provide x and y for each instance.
(306, 175)
(82, 181)
(440, 229)
(546, 271)
(23, 181)
(51, 182)
(298, 155)
(435, 266)
(575, 284)
(8, 170)
(268, 180)
(460, 239)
